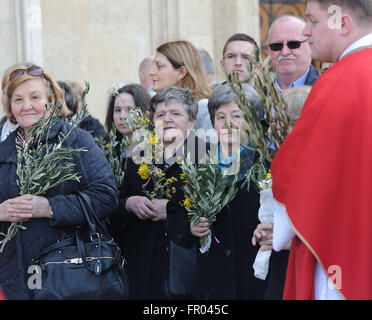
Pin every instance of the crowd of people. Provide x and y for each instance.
(320, 184)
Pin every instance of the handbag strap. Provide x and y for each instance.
(96, 227)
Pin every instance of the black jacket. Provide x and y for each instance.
(97, 181)
(226, 271)
(145, 243)
(93, 126)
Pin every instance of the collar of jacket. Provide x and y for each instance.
(8, 152)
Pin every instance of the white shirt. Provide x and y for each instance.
(362, 42)
(7, 129)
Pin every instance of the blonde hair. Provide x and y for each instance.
(183, 53)
(295, 99)
(53, 91)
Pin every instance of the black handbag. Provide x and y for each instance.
(87, 266)
(182, 268)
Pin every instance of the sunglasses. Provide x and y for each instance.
(293, 44)
(32, 71)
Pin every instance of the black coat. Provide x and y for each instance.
(226, 270)
(97, 181)
(145, 243)
(93, 126)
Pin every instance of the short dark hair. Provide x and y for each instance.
(71, 98)
(140, 96)
(179, 94)
(240, 37)
(223, 94)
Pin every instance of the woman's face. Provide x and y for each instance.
(29, 101)
(230, 116)
(173, 120)
(163, 74)
(124, 102)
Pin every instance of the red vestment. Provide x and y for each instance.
(323, 175)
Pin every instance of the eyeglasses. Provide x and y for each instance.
(293, 44)
(32, 71)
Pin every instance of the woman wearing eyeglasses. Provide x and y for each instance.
(52, 216)
(178, 64)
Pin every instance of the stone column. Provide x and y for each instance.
(27, 25)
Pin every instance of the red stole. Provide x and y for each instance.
(2, 297)
(323, 175)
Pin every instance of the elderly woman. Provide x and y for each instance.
(6, 126)
(53, 216)
(226, 272)
(151, 222)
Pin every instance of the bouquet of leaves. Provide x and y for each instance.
(41, 165)
(265, 135)
(114, 151)
(145, 138)
(207, 190)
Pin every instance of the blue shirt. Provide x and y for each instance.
(299, 82)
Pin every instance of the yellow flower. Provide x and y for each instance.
(144, 171)
(187, 203)
(153, 138)
(268, 176)
(107, 146)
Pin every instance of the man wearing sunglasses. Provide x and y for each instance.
(290, 53)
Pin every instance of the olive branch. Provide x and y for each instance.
(265, 135)
(41, 165)
(207, 190)
(115, 157)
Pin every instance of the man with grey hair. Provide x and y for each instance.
(208, 66)
(290, 53)
(322, 172)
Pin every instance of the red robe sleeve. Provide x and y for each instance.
(323, 175)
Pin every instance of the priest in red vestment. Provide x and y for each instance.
(322, 173)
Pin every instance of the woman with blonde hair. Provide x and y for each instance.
(178, 64)
(54, 215)
(6, 126)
